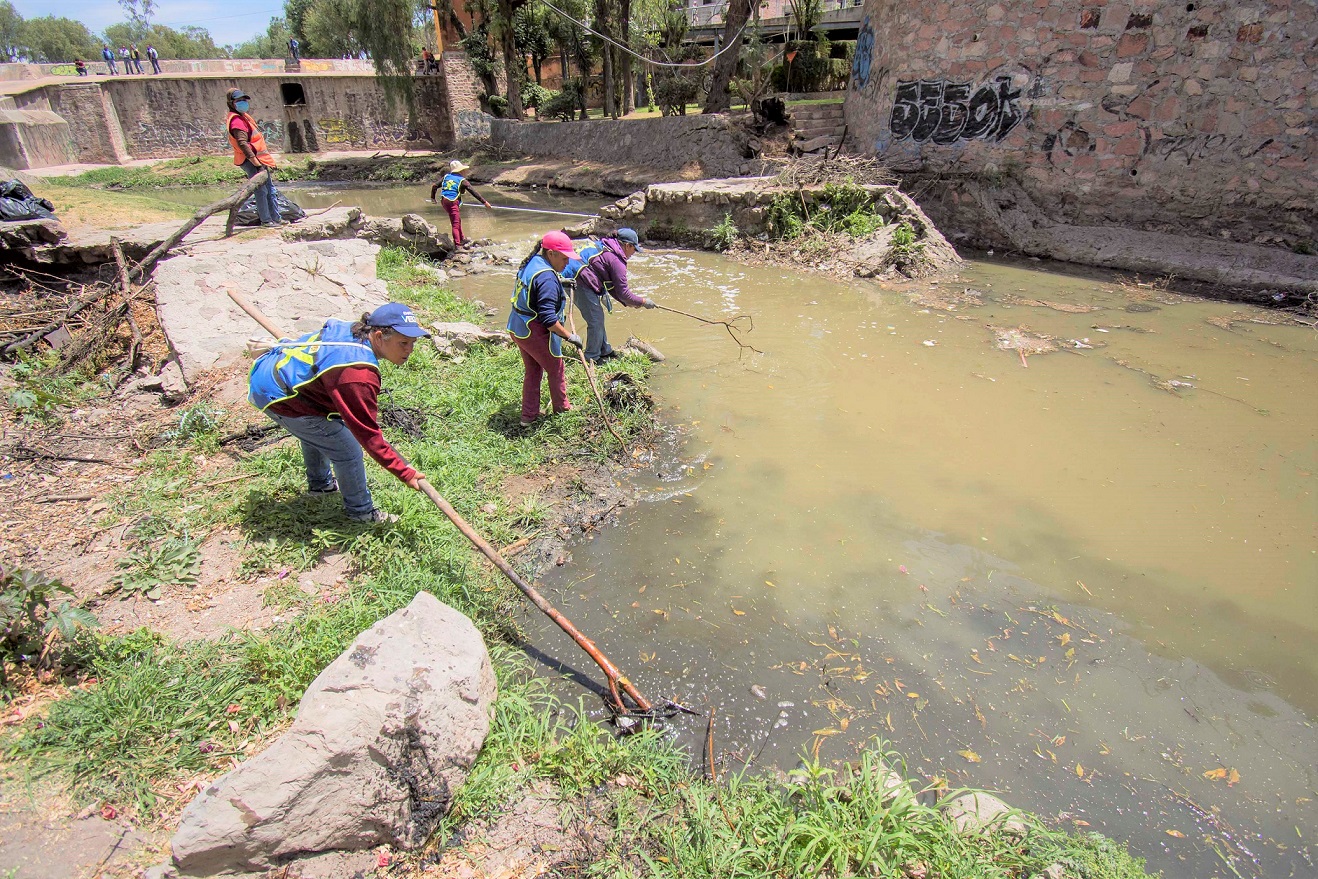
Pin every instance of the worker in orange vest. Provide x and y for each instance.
(251, 154)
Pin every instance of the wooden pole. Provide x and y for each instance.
(611, 671)
(255, 313)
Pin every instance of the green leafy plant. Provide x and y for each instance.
(148, 570)
(31, 624)
(724, 235)
(198, 424)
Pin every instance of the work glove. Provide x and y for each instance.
(569, 284)
(574, 339)
(648, 303)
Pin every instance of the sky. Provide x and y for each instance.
(229, 21)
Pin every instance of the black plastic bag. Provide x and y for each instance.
(18, 203)
(290, 211)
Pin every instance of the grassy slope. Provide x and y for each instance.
(161, 713)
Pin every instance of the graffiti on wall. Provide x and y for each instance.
(945, 112)
(864, 57)
(184, 137)
(64, 70)
(272, 131)
(351, 131)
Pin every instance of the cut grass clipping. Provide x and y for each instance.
(162, 715)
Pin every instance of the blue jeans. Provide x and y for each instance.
(592, 307)
(267, 208)
(327, 443)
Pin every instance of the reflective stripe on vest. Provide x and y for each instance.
(279, 373)
(523, 311)
(451, 187)
(255, 138)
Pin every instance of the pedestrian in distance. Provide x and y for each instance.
(295, 50)
(126, 58)
(251, 154)
(108, 54)
(535, 322)
(600, 277)
(154, 57)
(324, 389)
(450, 188)
(137, 57)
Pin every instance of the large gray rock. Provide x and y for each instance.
(455, 338)
(980, 813)
(410, 231)
(383, 739)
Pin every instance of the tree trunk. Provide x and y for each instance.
(625, 31)
(718, 100)
(514, 66)
(606, 50)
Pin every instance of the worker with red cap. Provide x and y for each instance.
(539, 305)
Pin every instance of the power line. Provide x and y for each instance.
(640, 57)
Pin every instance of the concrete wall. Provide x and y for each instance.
(113, 120)
(97, 67)
(464, 90)
(709, 146)
(34, 138)
(1193, 117)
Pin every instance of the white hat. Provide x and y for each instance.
(456, 165)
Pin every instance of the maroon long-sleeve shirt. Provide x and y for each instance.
(351, 393)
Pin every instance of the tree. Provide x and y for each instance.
(512, 63)
(51, 40)
(719, 100)
(329, 26)
(295, 13)
(11, 31)
(139, 15)
(531, 28)
(271, 44)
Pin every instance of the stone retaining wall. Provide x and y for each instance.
(705, 146)
(1174, 117)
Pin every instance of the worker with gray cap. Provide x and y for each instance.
(600, 276)
(252, 155)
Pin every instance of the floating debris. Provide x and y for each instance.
(1068, 307)
(1024, 341)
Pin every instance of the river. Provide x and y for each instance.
(1088, 580)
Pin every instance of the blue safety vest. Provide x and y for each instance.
(523, 311)
(588, 254)
(280, 372)
(451, 186)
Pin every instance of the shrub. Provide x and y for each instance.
(562, 105)
(498, 106)
(536, 95)
(31, 625)
(724, 235)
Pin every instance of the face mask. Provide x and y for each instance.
(241, 106)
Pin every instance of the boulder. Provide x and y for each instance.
(336, 222)
(410, 231)
(980, 813)
(383, 739)
(456, 338)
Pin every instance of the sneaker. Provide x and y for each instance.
(610, 355)
(374, 516)
(329, 489)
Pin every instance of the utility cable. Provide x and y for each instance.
(733, 42)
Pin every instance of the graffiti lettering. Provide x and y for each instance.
(864, 57)
(63, 70)
(338, 131)
(272, 131)
(945, 112)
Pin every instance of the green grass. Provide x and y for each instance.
(159, 714)
(195, 171)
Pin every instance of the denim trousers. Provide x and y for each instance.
(267, 208)
(327, 443)
(591, 307)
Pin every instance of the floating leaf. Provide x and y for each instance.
(825, 732)
(1232, 778)
(1176, 833)
(1065, 638)
(971, 756)
(1215, 774)
(1079, 770)
(770, 583)
(913, 695)
(740, 613)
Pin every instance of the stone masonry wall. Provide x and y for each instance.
(464, 91)
(96, 136)
(1190, 117)
(707, 146)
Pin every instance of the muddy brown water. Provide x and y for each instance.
(1074, 583)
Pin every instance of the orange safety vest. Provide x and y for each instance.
(256, 139)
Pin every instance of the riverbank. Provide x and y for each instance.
(303, 585)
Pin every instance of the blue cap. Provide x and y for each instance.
(397, 317)
(629, 236)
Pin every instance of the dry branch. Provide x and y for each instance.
(227, 203)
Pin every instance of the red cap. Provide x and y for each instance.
(560, 242)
